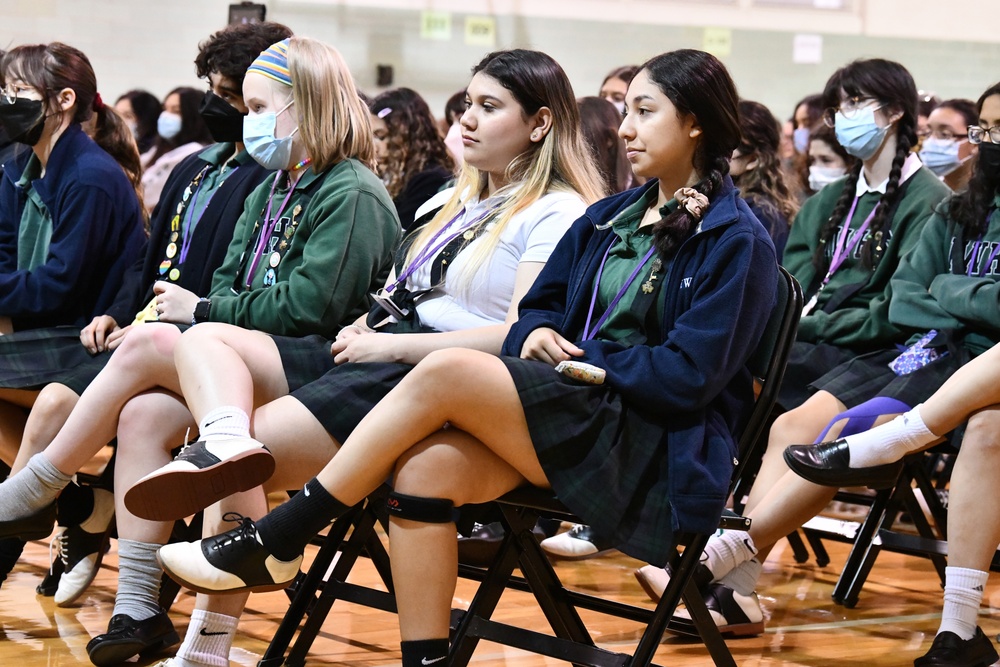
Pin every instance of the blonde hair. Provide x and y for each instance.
(324, 91)
(560, 162)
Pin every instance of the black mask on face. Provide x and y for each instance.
(224, 121)
(23, 119)
(989, 160)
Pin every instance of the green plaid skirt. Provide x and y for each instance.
(868, 375)
(604, 460)
(33, 358)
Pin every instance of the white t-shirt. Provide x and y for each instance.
(530, 236)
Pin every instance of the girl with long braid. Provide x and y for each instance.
(844, 247)
(646, 288)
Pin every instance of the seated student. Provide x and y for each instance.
(313, 241)
(650, 284)
(526, 170)
(190, 232)
(70, 221)
(413, 160)
(828, 161)
(140, 110)
(946, 150)
(952, 251)
(963, 298)
(180, 131)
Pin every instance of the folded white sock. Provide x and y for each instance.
(891, 441)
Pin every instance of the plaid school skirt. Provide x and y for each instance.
(33, 358)
(603, 459)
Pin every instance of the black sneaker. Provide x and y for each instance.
(82, 547)
(950, 650)
(232, 561)
(127, 637)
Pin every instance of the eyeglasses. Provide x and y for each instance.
(12, 91)
(978, 134)
(942, 134)
(849, 109)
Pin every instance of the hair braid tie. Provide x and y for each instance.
(98, 104)
(693, 201)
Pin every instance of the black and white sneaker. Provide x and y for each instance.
(233, 561)
(82, 547)
(201, 475)
(734, 614)
(578, 543)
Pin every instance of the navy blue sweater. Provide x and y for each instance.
(97, 233)
(718, 296)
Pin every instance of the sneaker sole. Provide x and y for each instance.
(646, 586)
(180, 493)
(264, 588)
(108, 654)
(596, 554)
(93, 571)
(685, 628)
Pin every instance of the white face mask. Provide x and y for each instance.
(260, 142)
(820, 177)
(168, 125)
(620, 106)
(941, 155)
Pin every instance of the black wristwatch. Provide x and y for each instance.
(201, 310)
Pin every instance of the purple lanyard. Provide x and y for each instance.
(843, 249)
(270, 223)
(433, 246)
(193, 218)
(589, 333)
(975, 252)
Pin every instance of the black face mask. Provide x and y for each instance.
(23, 119)
(989, 160)
(224, 121)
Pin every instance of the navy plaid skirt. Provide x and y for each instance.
(305, 359)
(32, 359)
(808, 362)
(603, 459)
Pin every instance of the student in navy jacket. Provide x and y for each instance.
(667, 289)
(70, 221)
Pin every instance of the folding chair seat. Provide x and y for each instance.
(519, 511)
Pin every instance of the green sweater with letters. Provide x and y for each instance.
(339, 231)
(932, 288)
(862, 322)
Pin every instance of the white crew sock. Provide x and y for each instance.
(743, 578)
(726, 552)
(963, 593)
(890, 442)
(208, 640)
(224, 423)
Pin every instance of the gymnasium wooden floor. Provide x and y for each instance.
(897, 616)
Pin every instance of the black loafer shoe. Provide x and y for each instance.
(38, 526)
(127, 637)
(950, 650)
(829, 464)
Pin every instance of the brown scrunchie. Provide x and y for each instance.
(695, 202)
(98, 102)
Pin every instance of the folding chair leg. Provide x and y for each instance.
(799, 551)
(865, 550)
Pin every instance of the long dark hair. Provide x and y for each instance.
(891, 84)
(146, 109)
(50, 68)
(764, 184)
(600, 121)
(970, 208)
(414, 142)
(193, 128)
(697, 83)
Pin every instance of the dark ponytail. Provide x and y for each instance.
(697, 83)
(114, 136)
(892, 85)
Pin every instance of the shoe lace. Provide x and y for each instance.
(187, 442)
(58, 548)
(247, 530)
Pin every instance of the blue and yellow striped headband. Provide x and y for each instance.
(273, 63)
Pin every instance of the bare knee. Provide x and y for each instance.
(54, 403)
(145, 344)
(198, 337)
(139, 417)
(803, 424)
(424, 471)
(982, 435)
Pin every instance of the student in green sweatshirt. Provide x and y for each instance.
(844, 247)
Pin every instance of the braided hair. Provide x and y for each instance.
(892, 86)
(697, 84)
(970, 208)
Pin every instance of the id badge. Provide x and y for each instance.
(386, 303)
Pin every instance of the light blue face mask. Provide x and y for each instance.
(800, 139)
(258, 137)
(860, 136)
(941, 155)
(168, 125)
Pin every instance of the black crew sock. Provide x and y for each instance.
(10, 553)
(287, 530)
(74, 505)
(423, 652)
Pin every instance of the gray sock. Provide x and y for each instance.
(138, 580)
(32, 488)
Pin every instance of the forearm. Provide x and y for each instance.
(414, 347)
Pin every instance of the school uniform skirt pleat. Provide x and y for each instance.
(33, 358)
